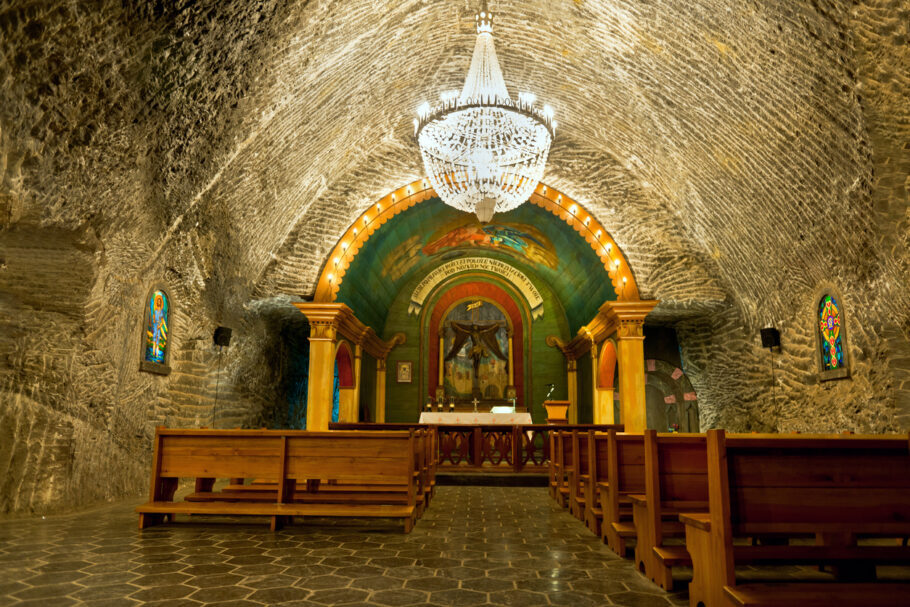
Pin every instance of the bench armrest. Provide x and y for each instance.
(699, 520)
(638, 498)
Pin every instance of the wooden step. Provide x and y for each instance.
(624, 529)
(673, 556)
(273, 509)
(335, 497)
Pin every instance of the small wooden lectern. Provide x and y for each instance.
(557, 411)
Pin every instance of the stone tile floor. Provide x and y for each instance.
(474, 546)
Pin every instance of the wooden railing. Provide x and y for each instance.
(521, 448)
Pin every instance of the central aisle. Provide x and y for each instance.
(474, 546)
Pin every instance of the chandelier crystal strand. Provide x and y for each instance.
(482, 151)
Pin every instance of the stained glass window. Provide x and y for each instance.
(156, 329)
(831, 332)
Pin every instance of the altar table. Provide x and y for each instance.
(468, 418)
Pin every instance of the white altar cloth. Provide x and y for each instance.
(472, 419)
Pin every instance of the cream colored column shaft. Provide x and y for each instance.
(631, 355)
(380, 391)
(358, 364)
(321, 376)
(442, 358)
(572, 368)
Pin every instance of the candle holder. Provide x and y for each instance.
(430, 403)
(452, 404)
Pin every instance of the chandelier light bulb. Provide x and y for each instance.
(480, 145)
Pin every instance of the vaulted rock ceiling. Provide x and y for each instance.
(725, 145)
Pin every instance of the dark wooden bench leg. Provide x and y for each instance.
(204, 485)
(147, 520)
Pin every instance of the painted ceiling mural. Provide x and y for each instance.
(431, 233)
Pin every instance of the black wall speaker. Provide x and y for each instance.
(222, 336)
(770, 338)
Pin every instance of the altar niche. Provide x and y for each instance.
(476, 336)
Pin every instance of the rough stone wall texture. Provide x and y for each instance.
(743, 155)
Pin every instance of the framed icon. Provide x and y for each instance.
(404, 372)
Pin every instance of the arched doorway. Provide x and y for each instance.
(344, 407)
(607, 395)
(483, 304)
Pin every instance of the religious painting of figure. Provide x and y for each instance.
(156, 330)
(829, 325)
(403, 373)
(476, 352)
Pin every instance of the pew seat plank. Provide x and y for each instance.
(804, 594)
(273, 509)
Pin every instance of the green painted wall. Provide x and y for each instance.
(398, 253)
(543, 364)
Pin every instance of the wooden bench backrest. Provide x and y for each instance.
(565, 443)
(367, 457)
(818, 483)
(598, 456)
(676, 470)
(804, 484)
(219, 454)
(580, 458)
(628, 454)
(258, 454)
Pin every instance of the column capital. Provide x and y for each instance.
(380, 364)
(627, 310)
(627, 318)
(329, 320)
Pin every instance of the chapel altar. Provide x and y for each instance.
(470, 418)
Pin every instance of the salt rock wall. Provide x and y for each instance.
(108, 138)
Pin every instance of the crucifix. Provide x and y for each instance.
(476, 402)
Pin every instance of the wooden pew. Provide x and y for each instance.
(552, 464)
(625, 477)
(330, 490)
(431, 456)
(291, 458)
(836, 487)
(676, 481)
(579, 477)
(561, 456)
(597, 476)
(564, 468)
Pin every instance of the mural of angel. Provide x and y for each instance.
(518, 240)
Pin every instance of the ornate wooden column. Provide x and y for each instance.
(629, 319)
(328, 321)
(626, 320)
(323, 335)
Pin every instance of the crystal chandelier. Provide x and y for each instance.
(483, 152)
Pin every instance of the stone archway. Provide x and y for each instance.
(670, 397)
(606, 393)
